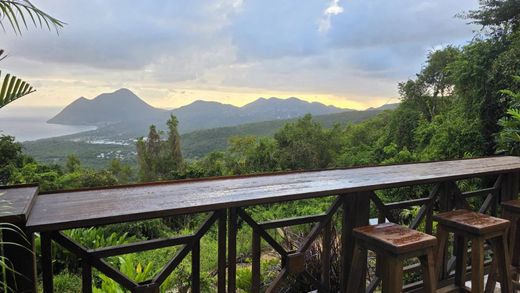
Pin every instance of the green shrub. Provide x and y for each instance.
(149, 229)
(65, 282)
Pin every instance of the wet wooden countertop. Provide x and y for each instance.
(81, 208)
(16, 202)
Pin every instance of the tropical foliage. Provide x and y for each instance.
(158, 159)
(509, 137)
(19, 13)
(11, 87)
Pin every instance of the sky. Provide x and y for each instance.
(348, 53)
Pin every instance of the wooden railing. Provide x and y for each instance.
(226, 200)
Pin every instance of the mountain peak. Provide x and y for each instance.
(124, 90)
(292, 107)
(202, 102)
(117, 106)
(122, 93)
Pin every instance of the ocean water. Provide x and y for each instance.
(29, 123)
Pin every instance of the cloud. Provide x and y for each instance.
(119, 35)
(332, 10)
(382, 23)
(353, 49)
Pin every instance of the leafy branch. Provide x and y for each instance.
(509, 137)
(13, 88)
(21, 12)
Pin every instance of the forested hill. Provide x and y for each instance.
(89, 146)
(201, 142)
(126, 113)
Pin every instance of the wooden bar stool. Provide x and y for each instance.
(393, 244)
(511, 212)
(477, 228)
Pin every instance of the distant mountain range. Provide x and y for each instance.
(122, 111)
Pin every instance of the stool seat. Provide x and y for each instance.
(394, 238)
(471, 222)
(512, 205)
(393, 244)
(478, 228)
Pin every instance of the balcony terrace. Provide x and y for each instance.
(226, 200)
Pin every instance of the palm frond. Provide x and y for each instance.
(12, 88)
(14, 12)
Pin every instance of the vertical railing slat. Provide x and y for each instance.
(86, 277)
(232, 249)
(325, 256)
(22, 258)
(255, 262)
(221, 273)
(510, 186)
(47, 275)
(445, 204)
(356, 210)
(195, 267)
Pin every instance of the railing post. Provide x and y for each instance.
(195, 267)
(510, 186)
(445, 197)
(47, 274)
(445, 204)
(255, 262)
(325, 256)
(86, 277)
(21, 255)
(221, 274)
(232, 249)
(18, 244)
(356, 209)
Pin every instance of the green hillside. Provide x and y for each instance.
(194, 144)
(97, 156)
(198, 143)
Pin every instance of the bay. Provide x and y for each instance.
(30, 123)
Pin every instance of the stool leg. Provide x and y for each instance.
(503, 264)
(442, 238)
(477, 265)
(461, 260)
(514, 241)
(512, 231)
(392, 275)
(428, 271)
(355, 277)
(493, 270)
(514, 245)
